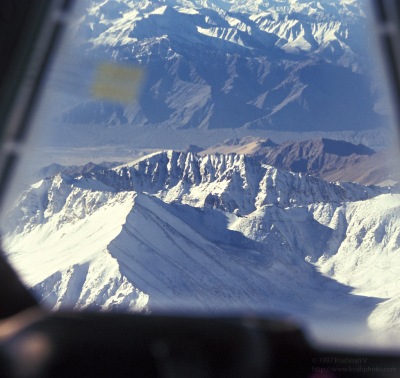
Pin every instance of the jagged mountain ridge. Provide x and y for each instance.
(294, 67)
(283, 25)
(332, 160)
(312, 8)
(233, 183)
(145, 237)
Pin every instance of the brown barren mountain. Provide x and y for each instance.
(332, 160)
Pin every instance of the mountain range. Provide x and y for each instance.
(249, 225)
(221, 65)
(332, 160)
(175, 231)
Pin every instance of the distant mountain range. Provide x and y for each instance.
(259, 65)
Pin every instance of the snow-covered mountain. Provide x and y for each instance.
(259, 65)
(233, 183)
(174, 231)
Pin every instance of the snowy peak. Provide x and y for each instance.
(233, 183)
(199, 260)
(289, 26)
(305, 7)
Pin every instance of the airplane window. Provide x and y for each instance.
(214, 157)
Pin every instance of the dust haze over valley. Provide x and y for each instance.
(250, 172)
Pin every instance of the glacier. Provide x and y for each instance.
(175, 232)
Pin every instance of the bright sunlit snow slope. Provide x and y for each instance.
(177, 232)
(260, 65)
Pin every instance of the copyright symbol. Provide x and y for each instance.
(314, 360)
